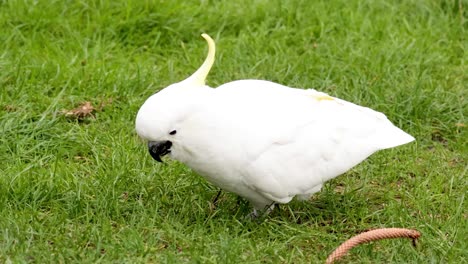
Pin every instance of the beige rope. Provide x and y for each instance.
(377, 234)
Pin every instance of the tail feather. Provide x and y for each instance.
(393, 136)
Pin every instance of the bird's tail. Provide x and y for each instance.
(393, 136)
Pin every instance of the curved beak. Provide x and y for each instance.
(157, 149)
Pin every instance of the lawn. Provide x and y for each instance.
(86, 190)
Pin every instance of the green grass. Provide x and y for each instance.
(88, 192)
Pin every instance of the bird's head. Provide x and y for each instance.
(159, 119)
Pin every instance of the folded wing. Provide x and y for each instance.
(295, 139)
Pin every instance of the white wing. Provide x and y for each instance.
(281, 142)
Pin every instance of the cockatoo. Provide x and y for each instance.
(261, 140)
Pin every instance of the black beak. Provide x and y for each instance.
(157, 149)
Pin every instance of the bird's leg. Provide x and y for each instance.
(262, 213)
(254, 214)
(268, 209)
(215, 200)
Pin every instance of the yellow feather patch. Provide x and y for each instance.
(322, 97)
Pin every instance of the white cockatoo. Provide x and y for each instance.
(261, 140)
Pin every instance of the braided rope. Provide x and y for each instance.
(377, 234)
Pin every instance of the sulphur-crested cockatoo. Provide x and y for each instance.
(261, 140)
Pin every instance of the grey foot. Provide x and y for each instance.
(255, 214)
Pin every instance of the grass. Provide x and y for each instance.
(88, 192)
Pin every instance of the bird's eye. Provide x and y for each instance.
(173, 132)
